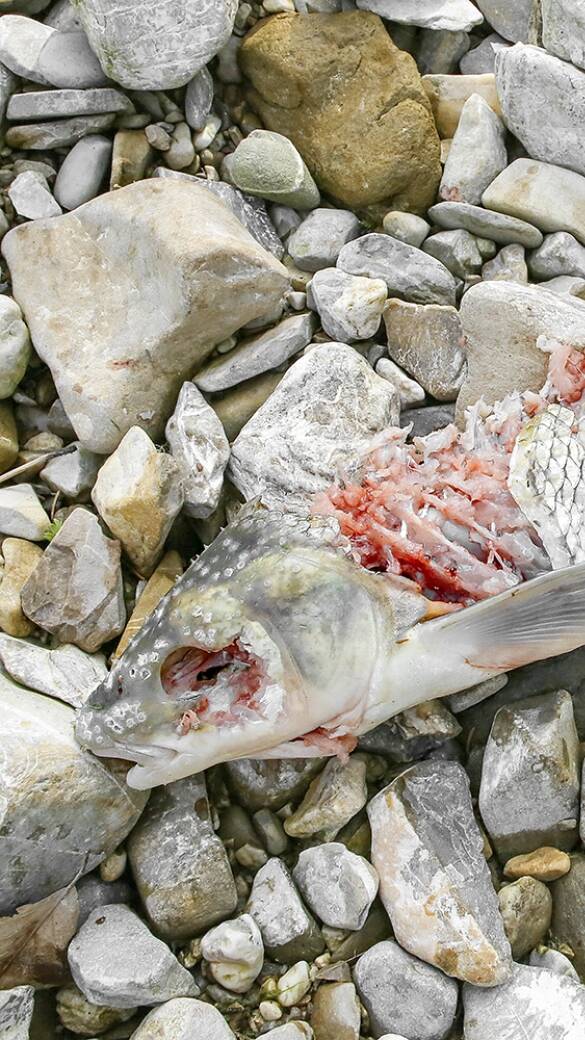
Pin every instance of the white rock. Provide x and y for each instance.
(14, 346)
(563, 30)
(16, 1008)
(154, 48)
(350, 307)
(21, 513)
(321, 418)
(67, 61)
(235, 953)
(83, 171)
(318, 241)
(411, 393)
(407, 227)
(546, 1005)
(200, 449)
(184, 1019)
(431, 14)
(258, 354)
(336, 884)
(293, 985)
(67, 672)
(73, 474)
(517, 20)
(21, 42)
(477, 154)
(547, 196)
(31, 196)
(268, 164)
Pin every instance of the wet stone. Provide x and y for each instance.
(288, 931)
(338, 886)
(526, 909)
(333, 799)
(409, 273)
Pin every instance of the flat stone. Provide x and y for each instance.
(409, 273)
(401, 993)
(288, 931)
(58, 133)
(164, 231)
(407, 227)
(549, 196)
(266, 783)
(457, 250)
(68, 61)
(352, 104)
(334, 797)
(21, 513)
(559, 254)
(477, 154)
(318, 241)
(448, 95)
(258, 354)
(453, 15)
(199, 99)
(428, 342)
(76, 592)
(138, 494)
(508, 266)
(20, 559)
(482, 59)
(100, 965)
(324, 413)
(235, 953)
(568, 924)
(164, 577)
(21, 42)
(200, 449)
(526, 909)
(31, 196)
(546, 1005)
(563, 30)
(338, 886)
(14, 346)
(50, 104)
(66, 672)
(268, 164)
(544, 864)
(336, 1012)
(350, 307)
(16, 1010)
(516, 22)
(131, 156)
(495, 226)
(183, 1019)
(74, 475)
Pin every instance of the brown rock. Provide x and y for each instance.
(526, 909)
(8, 437)
(169, 569)
(351, 102)
(336, 1012)
(544, 864)
(130, 158)
(20, 560)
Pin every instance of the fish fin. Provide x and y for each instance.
(541, 618)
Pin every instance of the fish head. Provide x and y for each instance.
(270, 634)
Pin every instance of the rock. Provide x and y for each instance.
(131, 156)
(504, 323)
(517, 21)
(508, 266)
(529, 794)
(482, 59)
(350, 307)
(457, 250)
(234, 408)
(427, 420)
(67, 61)
(66, 672)
(333, 799)
(526, 909)
(14, 346)
(270, 784)
(165, 230)
(553, 961)
(434, 881)
(410, 392)
(544, 864)
(200, 450)
(268, 164)
(448, 95)
(20, 560)
(477, 154)
(235, 953)
(83, 171)
(83, 1017)
(338, 886)
(155, 49)
(289, 933)
(563, 30)
(163, 578)
(21, 42)
(336, 1012)
(251, 212)
(93, 892)
(8, 436)
(453, 15)
(64, 809)
(31, 196)
(325, 411)
(76, 592)
(199, 99)
(258, 354)
(73, 474)
(544, 1004)
(62, 16)
(293, 985)
(559, 254)
(49, 104)
(439, 50)
(408, 272)
(184, 1019)
(60, 133)
(565, 285)
(428, 342)
(292, 1031)
(407, 227)
(323, 82)
(100, 965)
(16, 1009)
(181, 152)
(490, 225)
(318, 241)
(550, 197)
(568, 923)
(402, 993)
(21, 513)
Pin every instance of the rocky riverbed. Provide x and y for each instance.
(243, 245)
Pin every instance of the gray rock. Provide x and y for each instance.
(439, 50)
(566, 285)
(199, 99)
(284, 218)
(477, 153)
(428, 342)
(457, 250)
(15, 348)
(68, 61)
(268, 164)
(517, 21)
(563, 30)
(568, 923)
(76, 592)
(63, 809)
(74, 474)
(289, 933)
(93, 892)
(526, 909)
(548, 196)
(200, 449)
(21, 513)
(409, 273)
(16, 1010)
(547, 1006)
(413, 733)
(406, 227)
(258, 354)
(434, 880)
(401, 993)
(496, 226)
(529, 793)
(482, 59)
(50, 104)
(427, 420)
(180, 866)
(62, 16)
(559, 254)
(154, 48)
(553, 961)
(105, 972)
(324, 413)
(508, 266)
(433, 14)
(267, 783)
(66, 672)
(318, 241)
(31, 196)
(235, 953)
(184, 1019)
(350, 307)
(337, 885)
(200, 277)
(334, 797)
(59, 133)
(21, 42)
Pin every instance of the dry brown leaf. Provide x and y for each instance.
(33, 941)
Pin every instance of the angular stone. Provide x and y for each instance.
(21, 513)
(548, 196)
(74, 474)
(494, 226)
(428, 342)
(20, 560)
(268, 164)
(67, 61)
(156, 48)
(514, 21)
(288, 931)
(482, 59)
(266, 783)
(338, 886)
(66, 672)
(568, 923)
(164, 577)
(180, 866)
(31, 196)
(251, 212)
(21, 42)
(184, 1019)
(559, 254)
(546, 1005)
(318, 241)
(235, 953)
(76, 591)
(402, 993)
(199, 99)
(563, 30)
(526, 909)
(350, 307)
(59, 133)
(453, 15)
(333, 799)
(336, 1012)
(200, 450)
(351, 102)
(448, 95)
(50, 104)
(434, 880)
(258, 354)
(457, 250)
(131, 156)
(407, 227)
(477, 154)
(544, 864)
(409, 273)
(324, 413)
(529, 794)
(508, 266)
(183, 249)
(14, 346)
(16, 1010)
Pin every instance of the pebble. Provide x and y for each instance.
(406, 227)
(401, 993)
(332, 800)
(67, 61)
(20, 559)
(289, 933)
(293, 1031)
(235, 953)
(21, 42)
(31, 196)
(183, 1019)
(448, 95)
(181, 152)
(477, 154)
(58, 133)
(336, 1012)
(526, 909)
(559, 254)
(113, 866)
(482, 59)
(15, 347)
(319, 239)
(293, 985)
(76, 592)
(350, 307)
(199, 99)
(16, 1010)
(106, 974)
(568, 923)
(74, 474)
(544, 864)
(66, 672)
(179, 864)
(270, 784)
(131, 156)
(428, 342)
(563, 31)
(83, 171)
(268, 164)
(200, 450)
(548, 196)
(494, 226)
(508, 266)
(411, 393)
(258, 354)
(544, 1003)
(457, 250)
(338, 886)
(83, 1017)
(409, 273)
(21, 513)
(49, 104)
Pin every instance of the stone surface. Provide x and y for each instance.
(563, 30)
(508, 266)
(401, 993)
(156, 48)
(434, 881)
(49, 104)
(559, 254)
(179, 864)
(235, 953)
(14, 346)
(482, 59)
(318, 241)
(83, 171)
(57, 133)
(336, 1012)
(73, 474)
(199, 99)
(31, 196)
(267, 783)
(75, 592)
(289, 933)
(554, 961)
(234, 408)
(258, 354)
(529, 794)
(16, 1009)
(428, 342)
(448, 95)
(184, 248)
(439, 50)
(350, 307)
(332, 800)
(20, 559)
(491, 225)
(21, 513)
(526, 909)
(67, 61)
(200, 450)
(325, 411)
(477, 154)
(407, 227)
(131, 156)
(548, 196)
(453, 15)
(251, 212)
(83, 1017)
(184, 1019)
(351, 102)
(411, 393)
(21, 42)
(568, 923)
(106, 974)
(338, 886)
(457, 250)
(547, 1006)
(409, 273)
(514, 21)
(267, 164)
(544, 864)
(66, 672)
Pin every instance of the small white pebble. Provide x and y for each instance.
(270, 1011)
(293, 985)
(204, 138)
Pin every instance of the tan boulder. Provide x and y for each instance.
(351, 102)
